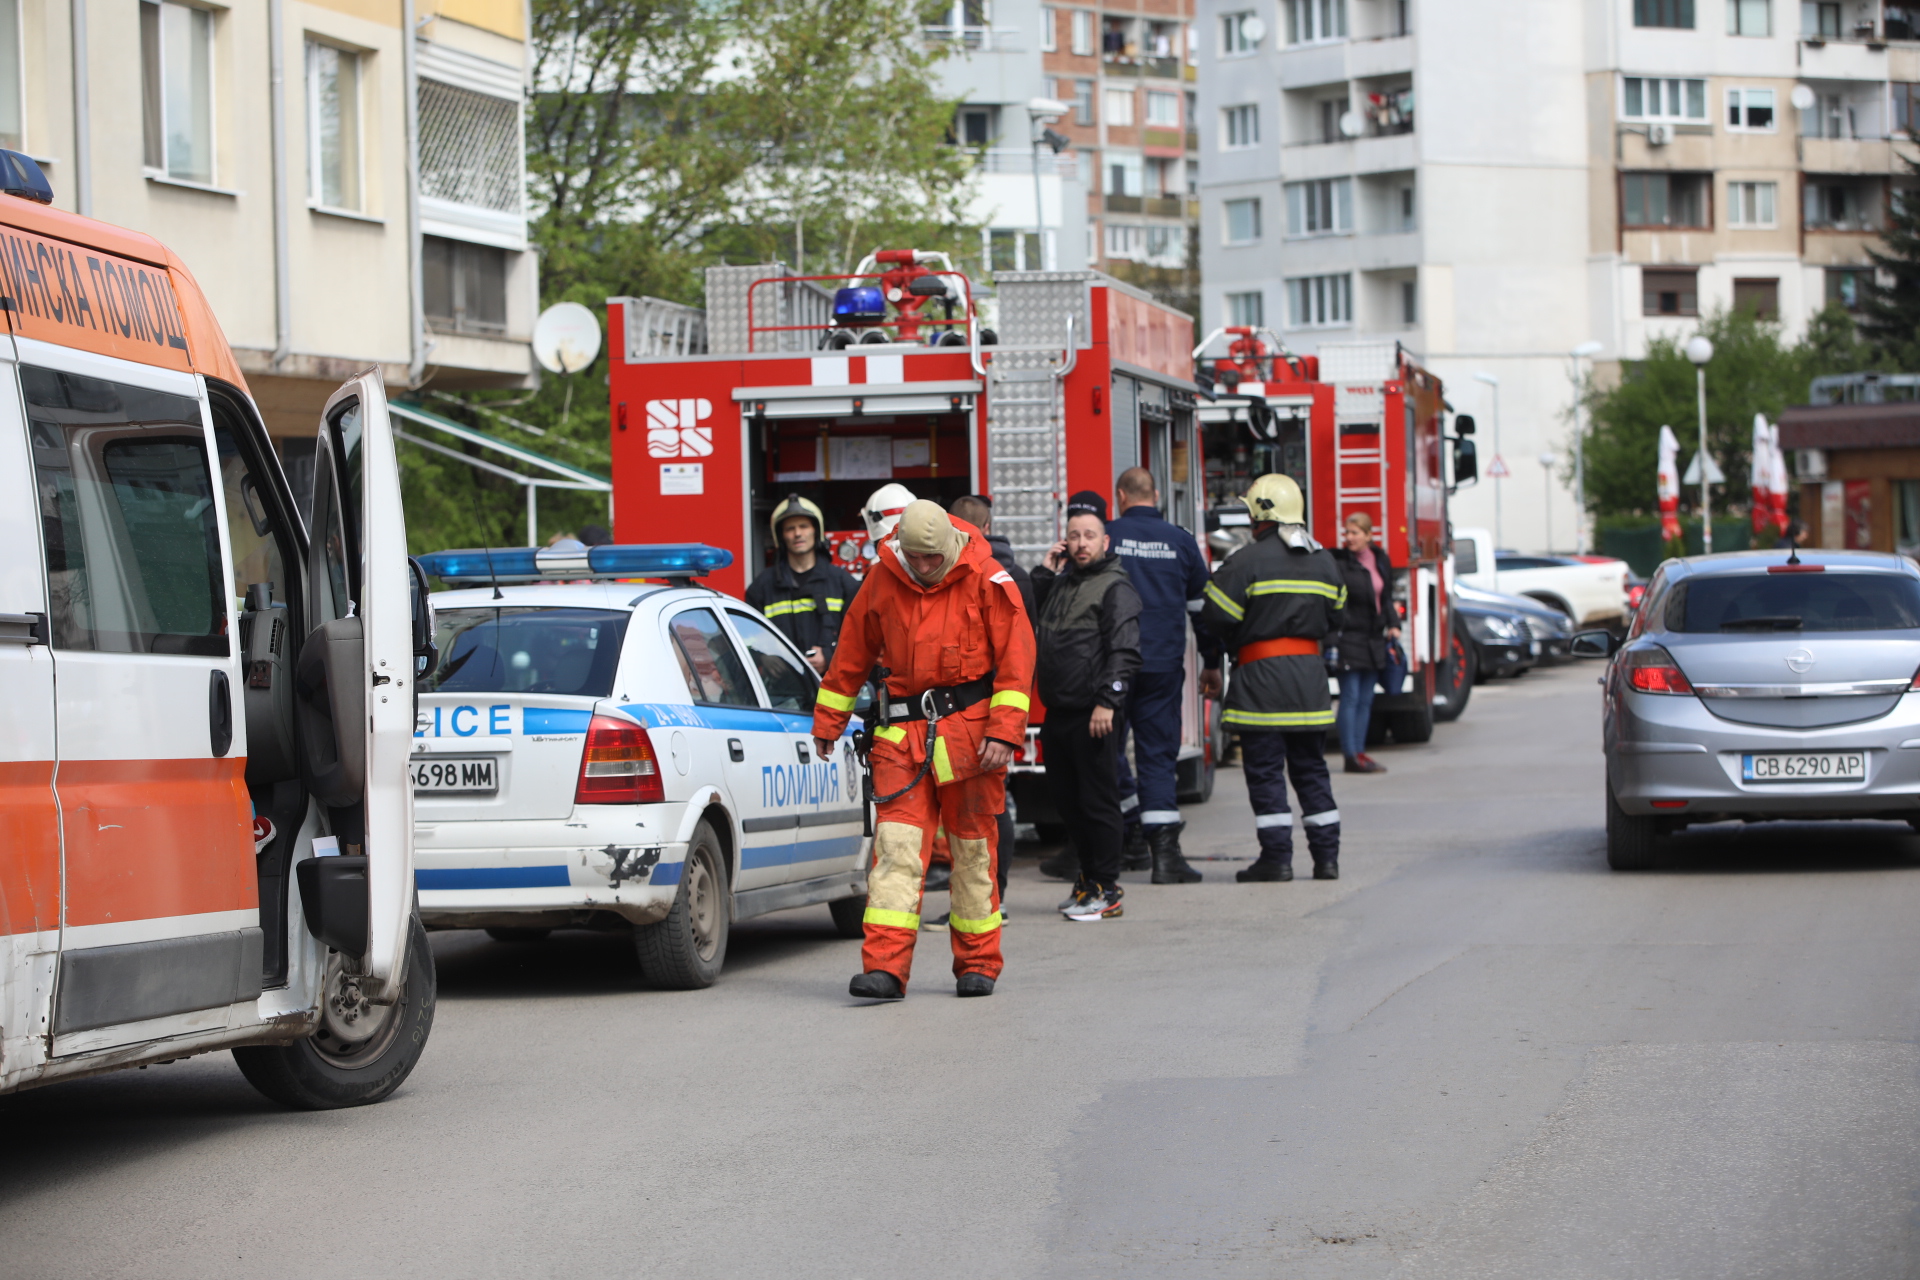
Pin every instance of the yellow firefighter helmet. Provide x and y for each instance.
(1276, 498)
(794, 505)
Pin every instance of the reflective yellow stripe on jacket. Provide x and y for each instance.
(1010, 698)
(1277, 719)
(1225, 602)
(1296, 587)
(836, 701)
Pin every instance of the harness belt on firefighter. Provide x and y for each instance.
(1281, 647)
(934, 704)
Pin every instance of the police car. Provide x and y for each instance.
(623, 754)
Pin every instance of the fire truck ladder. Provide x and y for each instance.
(1027, 445)
(1359, 471)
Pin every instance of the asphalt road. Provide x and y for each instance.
(1478, 1054)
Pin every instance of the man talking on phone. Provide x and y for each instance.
(802, 592)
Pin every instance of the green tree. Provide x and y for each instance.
(1890, 323)
(1752, 371)
(665, 136)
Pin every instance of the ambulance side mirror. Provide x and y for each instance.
(1466, 463)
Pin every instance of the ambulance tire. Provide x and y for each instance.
(304, 1076)
(686, 951)
(850, 916)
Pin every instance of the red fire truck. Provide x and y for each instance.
(1362, 428)
(831, 386)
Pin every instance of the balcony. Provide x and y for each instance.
(975, 39)
(1163, 206)
(1846, 155)
(1022, 160)
(1125, 204)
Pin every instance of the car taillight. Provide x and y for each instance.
(1913, 685)
(618, 765)
(1653, 670)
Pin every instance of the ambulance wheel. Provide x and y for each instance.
(685, 951)
(850, 916)
(519, 935)
(360, 1052)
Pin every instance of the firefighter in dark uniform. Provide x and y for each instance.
(1270, 605)
(803, 593)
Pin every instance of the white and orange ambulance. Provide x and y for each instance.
(205, 714)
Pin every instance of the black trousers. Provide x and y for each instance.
(1083, 772)
(1002, 850)
(1267, 759)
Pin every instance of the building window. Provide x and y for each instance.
(1240, 33)
(176, 81)
(1833, 116)
(1750, 110)
(1409, 302)
(1319, 302)
(975, 126)
(1010, 249)
(1821, 20)
(333, 126)
(1408, 220)
(1163, 109)
(1906, 108)
(1126, 175)
(1119, 106)
(1321, 207)
(1847, 286)
(1241, 127)
(1082, 32)
(1309, 21)
(1749, 18)
(1243, 221)
(1167, 246)
(1900, 21)
(1668, 292)
(1663, 13)
(466, 286)
(1125, 242)
(12, 132)
(1664, 200)
(470, 149)
(1750, 204)
(1048, 42)
(1083, 102)
(1762, 297)
(1248, 310)
(1332, 113)
(1087, 167)
(1650, 98)
(1840, 206)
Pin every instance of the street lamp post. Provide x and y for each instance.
(1700, 350)
(1548, 461)
(1498, 467)
(1579, 353)
(1042, 112)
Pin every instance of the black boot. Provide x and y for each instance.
(939, 879)
(973, 984)
(1327, 870)
(1262, 869)
(1136, 854)
(876, 986)
(1064, 865)
(1169, 865)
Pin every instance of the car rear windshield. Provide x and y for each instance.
(528, 650)
(1796, 602)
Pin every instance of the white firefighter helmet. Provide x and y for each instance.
(1275, 498)
(794, 505)
(883, 510)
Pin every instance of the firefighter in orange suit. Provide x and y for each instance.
(946, 622)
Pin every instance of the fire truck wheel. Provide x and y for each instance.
(1456, 676)
(361, 1052)
(1412, 726)
(685, 951)
(849, 916)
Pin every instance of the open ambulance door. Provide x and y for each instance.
(355, 681)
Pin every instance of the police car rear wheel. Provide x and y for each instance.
(685, 951)
(361, 1051)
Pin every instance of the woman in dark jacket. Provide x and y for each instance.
(1367, 624)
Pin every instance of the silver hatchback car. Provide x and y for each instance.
(1762, 685)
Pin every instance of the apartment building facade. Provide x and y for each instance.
(1495, 184)
(269, 145)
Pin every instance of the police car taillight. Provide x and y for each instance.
(618, 765)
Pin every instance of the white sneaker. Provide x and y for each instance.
(1097, 906)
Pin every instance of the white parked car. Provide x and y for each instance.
(621, 755)
(1591, 593)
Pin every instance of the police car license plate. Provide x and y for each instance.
(471, 777)
(1804, 766)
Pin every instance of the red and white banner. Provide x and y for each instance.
(1668, 484)
(1761, 477)
(1777, 479)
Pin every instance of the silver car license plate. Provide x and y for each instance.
(1804, 766)
(455, 776)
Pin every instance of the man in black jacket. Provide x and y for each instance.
(803, 593)
(1089, 632)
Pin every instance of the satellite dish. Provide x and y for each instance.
(1802, 97)
(1350, 123)
(566, 338)
(1252, 30)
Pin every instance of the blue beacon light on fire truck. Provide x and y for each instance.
(556, 564)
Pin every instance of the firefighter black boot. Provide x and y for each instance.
(1064, 865)
(1136, 854)
(1275, 862)
(1169, 865)
(876, 985)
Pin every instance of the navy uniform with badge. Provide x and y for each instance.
(1270, 605)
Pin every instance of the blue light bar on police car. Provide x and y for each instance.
(556, 564)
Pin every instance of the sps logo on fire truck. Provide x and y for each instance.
(674, 428)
